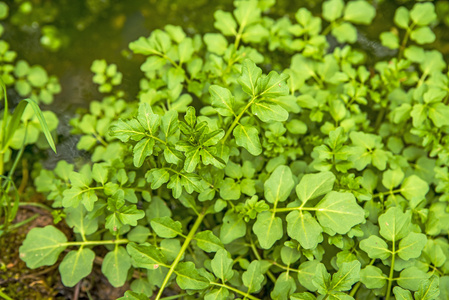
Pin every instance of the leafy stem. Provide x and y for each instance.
(390, 277)
(234, 290)
(184, 247)
(237, 119)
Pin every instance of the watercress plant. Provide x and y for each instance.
(270, 160)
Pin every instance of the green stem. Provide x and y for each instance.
(173, 297)
(390, 277)
(269, 274)
(237, 119)
(94, 243)
(234, 290)
(405, 40)
(40, 205)
(17, 225)
(4, 296)
(186, 244)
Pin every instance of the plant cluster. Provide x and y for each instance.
(268, 160)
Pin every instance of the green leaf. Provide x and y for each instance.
(233, 227)
(149, 120)
(222, 100)
(429, 289)
(157, 177)
(139, 234)
(279, 185)
(221, 265)
(438, 113)
(250, 75)
(423, 13)
(302, 296)
(267, 111)
(246, 12)
(412, 245)
(130, 295)
(159, 42)
(402, 294)
(411, 278)
(402, 17)
(375, 247)
(76, 265)
(392, 178)
(126, 130)
(321, 279)
(142, 150)
(76, 218)
(285, 286)
(42, 246)
(252, 278)
(373, 277)
(188, 277)
(333, 9)
(304, 228)
(273, 85)
(145, 256)
(129, 215)
(268, 229)
(229, 189)
(340, 212)
(347, 275)
(217, 294)
(216, 43)
(208, 242)
(248, 138)
(225, 23)
(345, 32)
(115, 266)
(359, 12)
(423, 35)
(314, 185)
(185, 50)
(166, 227)
(394, 224)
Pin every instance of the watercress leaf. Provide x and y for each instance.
(279, 185)
(217, 294)
(76, 265)
(149, 120)
(222, 100)
(340, 212)
(130, 295)
(302, 296)
(268, 229)
(248, 138)
(157, 177)
(402, 294)
(285, 286)
(192, 159)
(321, 279)
(158, 43)
(129, 215)
(250, 75)
(304, 228)
(423, 13)
(410, 278)
(42, 246)
(423, 35)
(115, 266)
(359, 12)
(142, 150)
(373, 277)
(412, 245)
(273, 85)
(224, 21)
(208, 242)
(394, 224)
(267, 111)
(375, 247)
(345, 32)
(429, 289)
(333, 9)
(306, 273)
(347, 275)
(185, 50)
(216, 43)
(139, 234)
(126, 130)
(77, 219)
(145, 256)
(170, 248)
(252, 278)
(210, 159)
(212, 138)
(392, 178)
(390, 40)
(402, 17)
(172, 156)
(188, 277)
(191, 182)
(170, 123)
(166, 227)
(233, 227)
(221, 265)
(314, 185)
(246, 12)
(438, 113)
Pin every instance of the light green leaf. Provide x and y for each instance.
(130, 295)
(411, 278)
(268, 229)
(115, 266)
(221, 265)
(216, 43)
(252, 278)
(188, 277)
(208, 242)
(139, 234)
(185, 50)
(314, 185)
(76, 265)
(423, 35)
(42, 246)
(423, 13)
(225, 23)
(142, 150)
(279, 185)
(248, 138)
(306, 272)
(394, 224)
(129, 215)
(302, 296)
(149, 120)
(233, 227)
(373, 277)
(402, 17)
(347, 275)
(375, 247)
(222, 100)
(392, 178)
(429, 289)
(321, 279)
(267, 111)
(217, 294)
(438, 113)
(145, 256)
(76, 218)
(333, 9)
(304, 228)
(158, 43)
(359, 12)
(345, 32)
(250, 74)
(273, 85)
(402, 294)
(412, 245)
(126, 130)
(340, 212)
(166, 227)
(285, 286)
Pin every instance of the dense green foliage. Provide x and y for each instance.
(268, 160)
